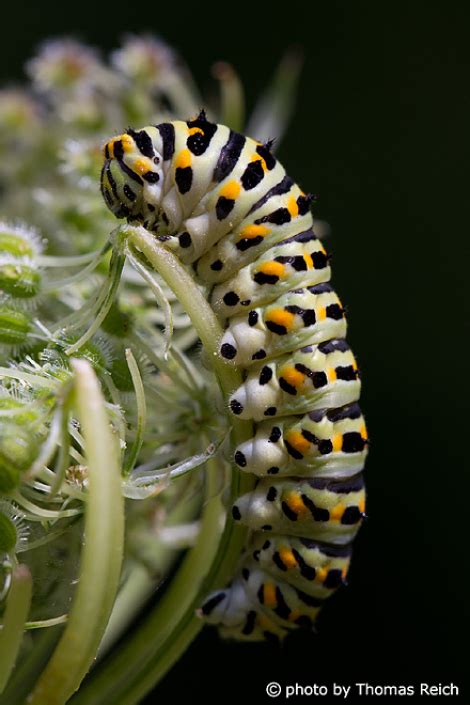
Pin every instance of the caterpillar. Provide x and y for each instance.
(225, 205)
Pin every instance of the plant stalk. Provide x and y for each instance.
(16, 612)
(157, 643)
(102, 551)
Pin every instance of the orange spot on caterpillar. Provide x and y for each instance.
(269, 595)
(308, 261)
(297, 441)
(292, 207)
(294, 502)
(128, 143)
(258, 158)
(251, 231)
(295, 614)
(337, 512)
(109, 148)
(287, 557)
(183, 160)
(337, 442)
(273, 268)
(331, 374)
(142, 165)
(231, 190)
(281, 317)
(293, 376)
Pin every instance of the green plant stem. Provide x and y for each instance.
(64, 453)
(17, 608)
(30, 666)
(232, 99)
(274, 109)
(141, 582)
(47, 623)
(190, 297)
(32, 379)
(102, 551)
(157, 643)
(141, 412)
(104, 302)
(134, 592)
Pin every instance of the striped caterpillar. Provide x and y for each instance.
(224, 204)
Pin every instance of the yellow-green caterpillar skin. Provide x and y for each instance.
(316, 568)
(319, 444)
(308, 315)
(319, 508)
(315, 377)
(299, 261)
(224, 204)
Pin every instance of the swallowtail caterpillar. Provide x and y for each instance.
(226, 207)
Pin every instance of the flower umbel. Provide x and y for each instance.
(104, 393)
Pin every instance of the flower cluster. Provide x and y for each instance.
(68, 289)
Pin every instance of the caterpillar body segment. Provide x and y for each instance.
(240, 617)
(224, 204)
(279, 598)
(299, 261)
(321, 443)
(314, 377)
(275, 606)
(315, 568)
(301, 316)
(254, 235)
(222, 209)
(317, 508)
(285, 583)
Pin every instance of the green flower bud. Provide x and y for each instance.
(96, 351)
(117, 323)
(14, 326)
(9, 477)
(19, 241)
(19, 279)
(8, 535)
(13, 529)
(29, 414)
(15, 245)
(121, 376)
(18, 450)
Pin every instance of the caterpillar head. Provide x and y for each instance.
(131, 178)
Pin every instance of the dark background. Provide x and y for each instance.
(380, 134)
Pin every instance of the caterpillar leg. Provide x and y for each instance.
(238, 616)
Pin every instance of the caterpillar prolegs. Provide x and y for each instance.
(224, 204)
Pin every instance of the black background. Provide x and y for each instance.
(380, 134)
